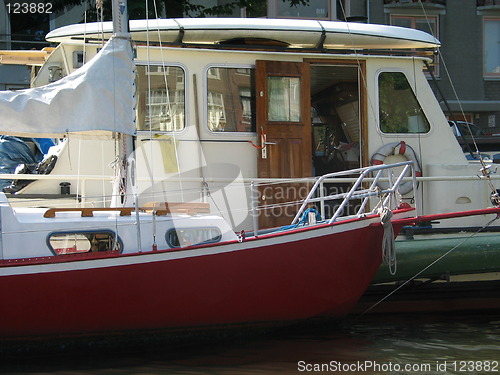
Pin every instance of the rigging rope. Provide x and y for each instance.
(170, 111)
(151, 157)
(167, 92)
(363, 82)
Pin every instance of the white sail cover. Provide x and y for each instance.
(94, 100)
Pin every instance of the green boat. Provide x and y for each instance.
(446, 270)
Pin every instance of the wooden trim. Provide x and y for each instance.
(88, 211)
(363, 97)
(289, 151)
(159, 209)
(336, 61)
(165, 208)
(25, 57)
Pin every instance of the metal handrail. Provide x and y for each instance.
(354, 193)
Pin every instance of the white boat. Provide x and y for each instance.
(223, 125)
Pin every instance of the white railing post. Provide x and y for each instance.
(254, 212)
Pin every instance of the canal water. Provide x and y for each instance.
(389, 344)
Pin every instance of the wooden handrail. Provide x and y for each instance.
(165, 208)
(88, 211)
(159, 208)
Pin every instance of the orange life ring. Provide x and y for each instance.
(397, 148)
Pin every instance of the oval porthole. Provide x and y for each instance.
(183, 237)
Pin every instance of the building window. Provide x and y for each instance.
(439, 2)
(319, 9)
(246, 101)
(216, 112)
(428, 24)
(160, 101)
(399, 109)
(83, 242)
(492, 47)
(231, 99)
(482, 3)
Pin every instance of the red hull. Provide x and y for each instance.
(269, 283)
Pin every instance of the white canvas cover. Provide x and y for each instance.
(94, 100)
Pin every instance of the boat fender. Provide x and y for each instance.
(397, 148)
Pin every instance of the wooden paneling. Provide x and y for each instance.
(289, 152)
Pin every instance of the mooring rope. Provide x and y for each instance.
(388, 245)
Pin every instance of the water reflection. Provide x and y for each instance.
(433, 340)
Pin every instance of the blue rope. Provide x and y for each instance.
(304, 219)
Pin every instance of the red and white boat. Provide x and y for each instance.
(87, 273)
(128, 269)
(83, 273)
(77, 275)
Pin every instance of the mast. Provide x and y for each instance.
(122, 188)
(120, 18)
(124, 184)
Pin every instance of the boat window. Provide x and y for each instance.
(160, 98)
(83, 242)
(231, 99)
(400, 111)
(182, 237)
(283, 99)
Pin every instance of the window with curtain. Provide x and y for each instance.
(492, 47)
(283, 99)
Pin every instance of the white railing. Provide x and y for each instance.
(357, 191)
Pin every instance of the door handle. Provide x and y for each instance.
(263, 143)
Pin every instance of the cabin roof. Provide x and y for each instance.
(221, 31)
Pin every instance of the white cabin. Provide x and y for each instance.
(223, 103)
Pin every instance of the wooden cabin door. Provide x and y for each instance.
(284, 121)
